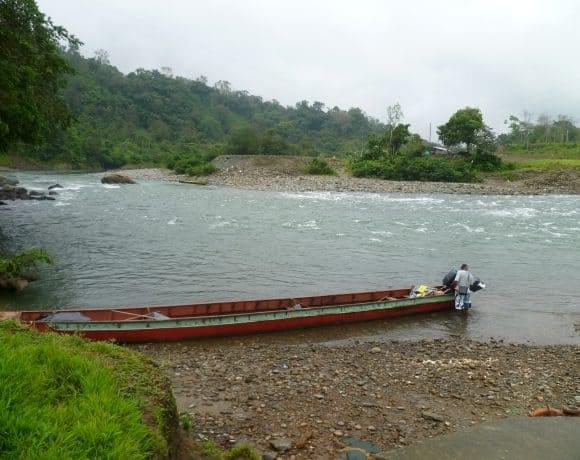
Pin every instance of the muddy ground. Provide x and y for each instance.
(310, 397)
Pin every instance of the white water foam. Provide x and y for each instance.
(468, 228)
(525, 213)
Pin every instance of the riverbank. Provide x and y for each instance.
(309, 398)
(285, 174)
(64, 397)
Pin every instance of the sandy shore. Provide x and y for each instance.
(312, 397)
(243, 173)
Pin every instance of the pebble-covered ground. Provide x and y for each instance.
(284, 174)
(305, 400)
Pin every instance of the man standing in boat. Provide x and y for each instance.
(463, 280)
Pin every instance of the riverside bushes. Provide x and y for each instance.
(318, 166)
(18, 264)
(400, 167)
(192, 164)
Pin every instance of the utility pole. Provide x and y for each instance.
(429, 132)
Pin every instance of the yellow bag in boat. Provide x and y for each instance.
(422, 290)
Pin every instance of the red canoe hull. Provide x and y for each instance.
(190, 333)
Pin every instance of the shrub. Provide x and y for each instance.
(318, 166)
(192, 164)
(487, 162)
(415, 168)
(21, 262)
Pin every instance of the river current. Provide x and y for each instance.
(161, 242)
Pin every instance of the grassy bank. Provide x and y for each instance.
(543, 163)
(64, 397)
(570, 151)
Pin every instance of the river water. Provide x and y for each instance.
(160, 242)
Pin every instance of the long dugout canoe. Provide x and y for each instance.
(192, 321)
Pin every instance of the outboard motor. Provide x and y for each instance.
(449, 278)
(477, 285)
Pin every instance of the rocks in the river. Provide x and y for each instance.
(11, 192)
(117, 178)
(16, 284)
(8, 181)
(51, 187)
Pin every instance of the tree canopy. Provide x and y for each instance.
(523, 130)
(147, 116)
(462, 128)
(32, 71)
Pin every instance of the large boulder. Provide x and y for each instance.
(7, 181)
(15, 284)
(117, 179)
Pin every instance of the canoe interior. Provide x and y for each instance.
(225, 308)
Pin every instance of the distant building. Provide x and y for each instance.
(436, 150)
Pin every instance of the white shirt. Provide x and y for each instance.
(464, 278)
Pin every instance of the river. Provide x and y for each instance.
(162, 242)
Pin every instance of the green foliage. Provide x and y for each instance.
(375, 148)
(398, 136)
(413, 147)
(244, 141)
(248, 141)
(32, 72)
(485, 158)
(486, 161)
(466, 127)
(462, 128)
(545, 164)
(318, 166)
(212, 451)
(185, 420)
(530, 135)
(148, 117)
(64, 397)
(21, 262)
(193, 163)
(390, 143)
(242, 452)
(415, 168)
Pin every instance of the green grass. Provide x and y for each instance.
(211, 451)
(546, 164)
(62, 397)
(570, 151)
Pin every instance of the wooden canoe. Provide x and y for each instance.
(186, 322)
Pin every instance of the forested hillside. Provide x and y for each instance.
(148, 116)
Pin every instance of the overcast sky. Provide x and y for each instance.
(432, 57)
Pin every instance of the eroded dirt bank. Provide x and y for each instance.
(308, 397)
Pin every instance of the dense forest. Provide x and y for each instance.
(149, 116)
